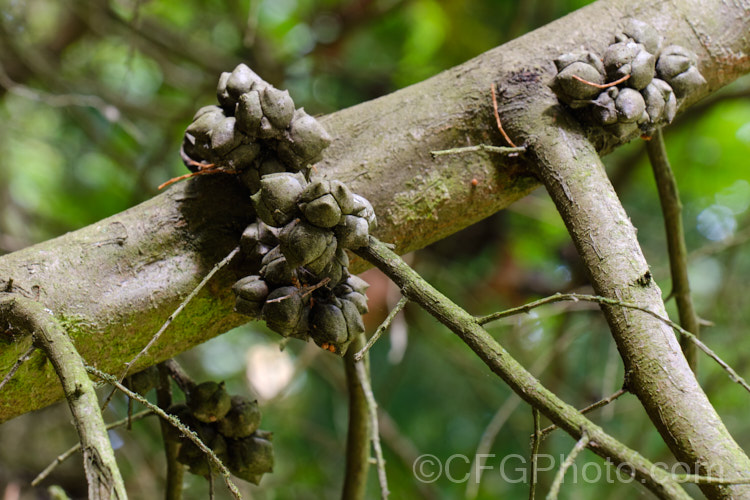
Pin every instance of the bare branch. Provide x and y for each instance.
(575, 297)
(179, 309)
(536, 439)
(77, 447)
(30, 317)
(557, 482)
(175, 470)
(523, 383)
(24, 357)
(591, 407)
(381, 329)
(503, 150)
(372, 407)
(175, 422)
(671, 207)
(359, 431)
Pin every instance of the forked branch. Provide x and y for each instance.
(30, 317)
(513, 373)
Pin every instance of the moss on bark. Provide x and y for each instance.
(116, 281)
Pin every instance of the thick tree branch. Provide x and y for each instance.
(115, 282)
(30, 317)
(656, 369)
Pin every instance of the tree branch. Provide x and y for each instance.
(77, 447)
(115, 282)
(671, 208)
(385, 325)
(175, 470)
(175, 422)
(657, 371)
(363, 376)
(591, 407)
(536, 439)
(30, 317)
(358, 435)
(523, 383)
(578, 448)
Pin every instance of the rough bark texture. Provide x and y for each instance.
(31, 318)
(561, 154)
(656, 370)
(113, 283)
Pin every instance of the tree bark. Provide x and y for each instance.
(561, 153)
(30, 317)
(655, 368)
(113, 283)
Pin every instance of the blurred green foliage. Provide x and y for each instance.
(95, 97)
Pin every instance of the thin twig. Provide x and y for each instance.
(536, 438)
(174, 421)
(575, 297)
(205, 170)
(108, 111)
(578, 448)
(77, 447)
(302, 291)
(525, 308)
(601, 86)
(501, 416)
(671, 208)
(497, 117)
(372, 407)
(591, 407)
(404, 449)
(487, 440)
(503, 150)
(739, 238)
(171, 318)
(381, 329)
(179, 309)
(608, 378)
(24, 357)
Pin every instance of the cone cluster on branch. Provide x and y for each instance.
(254, 131)
(229, 426)
(302, 287)
(652, 78)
